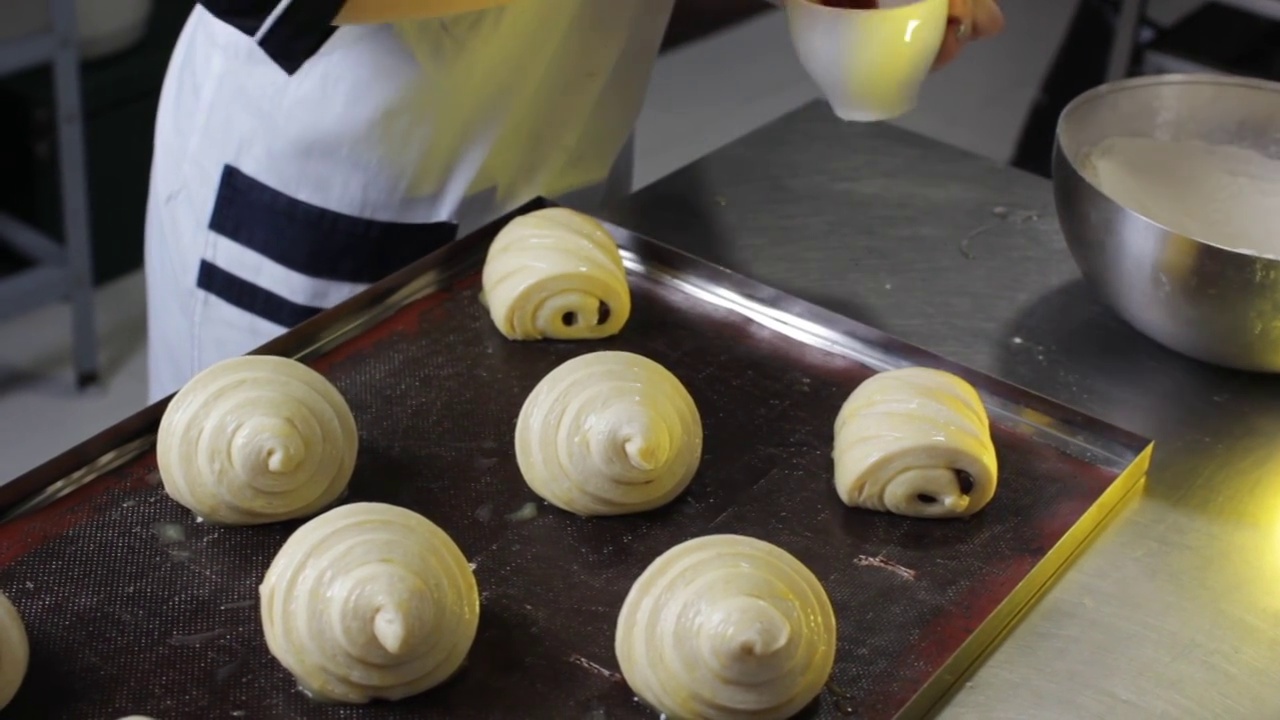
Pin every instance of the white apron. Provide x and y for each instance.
(297, 163)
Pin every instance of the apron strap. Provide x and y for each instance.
(290, 32)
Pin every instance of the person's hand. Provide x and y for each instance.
(968, 20)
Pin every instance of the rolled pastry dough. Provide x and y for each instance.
(556, 273)
(724, 627)
(915, 442)
(369, 601)
(15, 652)
(609, 433)
(255, 440)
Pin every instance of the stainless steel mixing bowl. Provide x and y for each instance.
(1199, 299)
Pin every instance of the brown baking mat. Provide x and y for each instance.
(127, 617)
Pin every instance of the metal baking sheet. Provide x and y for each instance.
(134, 608)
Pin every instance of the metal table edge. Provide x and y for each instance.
(967, 660)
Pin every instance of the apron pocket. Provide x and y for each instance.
(285, 260)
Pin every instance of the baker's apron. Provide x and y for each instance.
(297, 163)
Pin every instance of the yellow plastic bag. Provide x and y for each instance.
(536, 97)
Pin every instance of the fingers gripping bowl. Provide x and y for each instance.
(1201, 296)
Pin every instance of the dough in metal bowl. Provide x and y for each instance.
(609, 433)
(257, 439)
(726, 627)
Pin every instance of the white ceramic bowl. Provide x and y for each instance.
(869, 64)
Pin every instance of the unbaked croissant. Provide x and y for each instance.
(257, 439)
(369, 601)
(726, 627)
(556, 273)
(609, 433)
(15, 652)
(915, 442)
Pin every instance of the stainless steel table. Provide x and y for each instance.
(1175, 611)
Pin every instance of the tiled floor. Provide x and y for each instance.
(703, 95)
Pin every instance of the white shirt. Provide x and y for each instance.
(492, 107)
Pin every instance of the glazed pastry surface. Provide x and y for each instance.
(556, 274)
(726, 627)
(915, 442)
(257, 439)
(609, 433)
(15, 652)
(369, 601)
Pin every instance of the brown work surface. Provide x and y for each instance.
(121, 622)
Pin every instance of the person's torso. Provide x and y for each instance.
(422, 121)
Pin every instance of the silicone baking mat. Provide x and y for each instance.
(132, 607)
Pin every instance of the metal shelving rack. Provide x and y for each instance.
(60, 271)
(1121, 59)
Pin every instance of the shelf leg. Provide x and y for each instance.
(1125, 42)
(75, 195)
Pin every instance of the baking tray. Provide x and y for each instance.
(134, 608)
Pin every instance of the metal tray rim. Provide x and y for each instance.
(986, 637)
